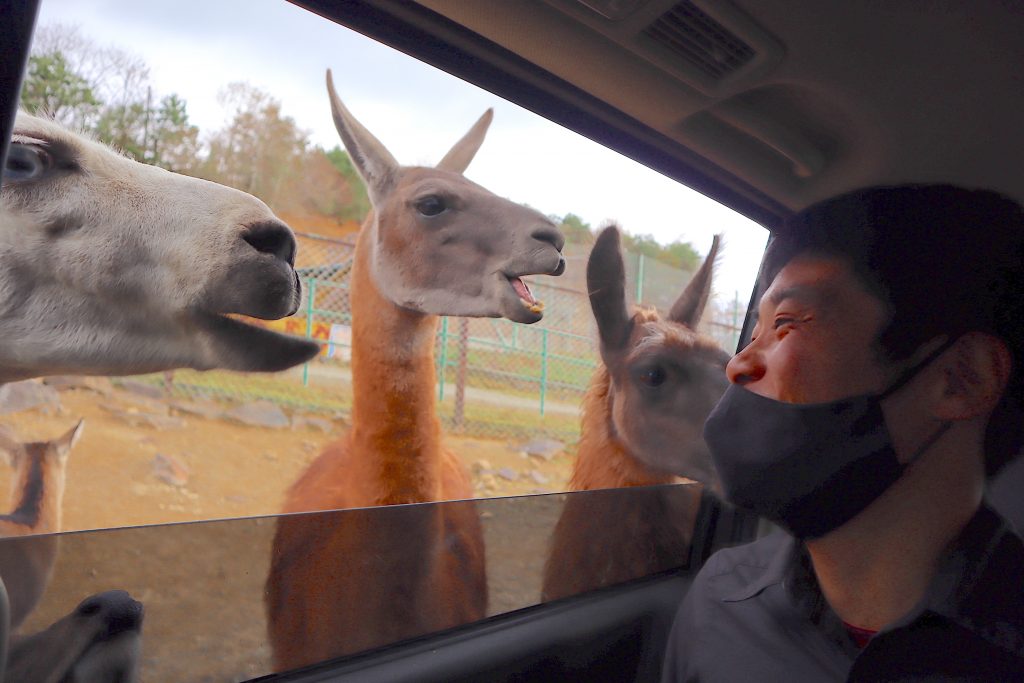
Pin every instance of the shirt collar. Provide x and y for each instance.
(779, 567)
(954, 592)
(966, 563)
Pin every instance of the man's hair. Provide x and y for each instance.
(945, 260)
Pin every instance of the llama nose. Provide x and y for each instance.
(118, 610)
(549, 234)
(274, 238)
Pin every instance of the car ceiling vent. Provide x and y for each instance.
(695, 36)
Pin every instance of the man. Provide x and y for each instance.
(881, 388)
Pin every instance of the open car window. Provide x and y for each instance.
(425, 371)
(535, 315)
(204, 588)
(193, 89)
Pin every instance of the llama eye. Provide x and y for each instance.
(25, 162)
(431, 205)
(653, 377)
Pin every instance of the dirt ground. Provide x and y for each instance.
(234, 470)
(202, 584)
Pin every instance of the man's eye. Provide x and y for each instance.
(782, 322)
(431, 205)
(25, 162)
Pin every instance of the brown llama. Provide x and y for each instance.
(37, 494)
(434, 244)
(643, 415)
(100, 639)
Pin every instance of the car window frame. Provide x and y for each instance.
(428, 37)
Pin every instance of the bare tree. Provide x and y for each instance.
(103, 89)
(260, 150)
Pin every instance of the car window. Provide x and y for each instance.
(464, 335)
(203, 584)
(193, 89)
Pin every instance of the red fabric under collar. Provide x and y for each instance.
(860, 636)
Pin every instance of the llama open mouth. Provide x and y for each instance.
(251, 346)
(525, 295)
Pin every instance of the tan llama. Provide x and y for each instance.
(37, 495)
(434, 244)
(643, 415)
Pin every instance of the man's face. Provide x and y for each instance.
(814, 340)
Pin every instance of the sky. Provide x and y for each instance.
(196, 47)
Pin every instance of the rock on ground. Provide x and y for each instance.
(138, 418)
(141, 388)
(207, 409)
(170, 470)
(313, 422)
(543, 448)
(101, 385)
(508, 473)
(259, 414)
(18, 396)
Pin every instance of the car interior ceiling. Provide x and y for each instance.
(763, 105)
(787, 101)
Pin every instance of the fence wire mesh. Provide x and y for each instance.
(495, 378)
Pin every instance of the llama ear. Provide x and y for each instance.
(458, 157)
(606, 285)
(373, 161)
(66, 441)
(689, 307)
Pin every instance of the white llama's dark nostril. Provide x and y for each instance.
(272, 238)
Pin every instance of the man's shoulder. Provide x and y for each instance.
(732, 573)
(735, 624)
(994, 590)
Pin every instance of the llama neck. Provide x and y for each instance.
(603, 460)
(36, 489)
(394, 412)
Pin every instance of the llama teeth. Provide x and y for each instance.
(535, 307)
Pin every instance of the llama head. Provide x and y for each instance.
(109, 266)
(442, 244)
(57, 450)
(665, 377)
(100, 640)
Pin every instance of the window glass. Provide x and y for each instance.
(206, 600)
(234, 92)
(435, 376)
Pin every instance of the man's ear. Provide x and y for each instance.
(975, 373)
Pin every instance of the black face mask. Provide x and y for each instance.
(807, 467)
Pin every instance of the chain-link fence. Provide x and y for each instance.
(495, 378)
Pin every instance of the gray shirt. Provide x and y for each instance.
(756, 613)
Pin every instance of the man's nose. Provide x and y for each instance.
(745, 367)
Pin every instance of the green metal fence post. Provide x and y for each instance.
(311, 289)
(639, 278)
(443, 360)
(543, 367)
(459, 418)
